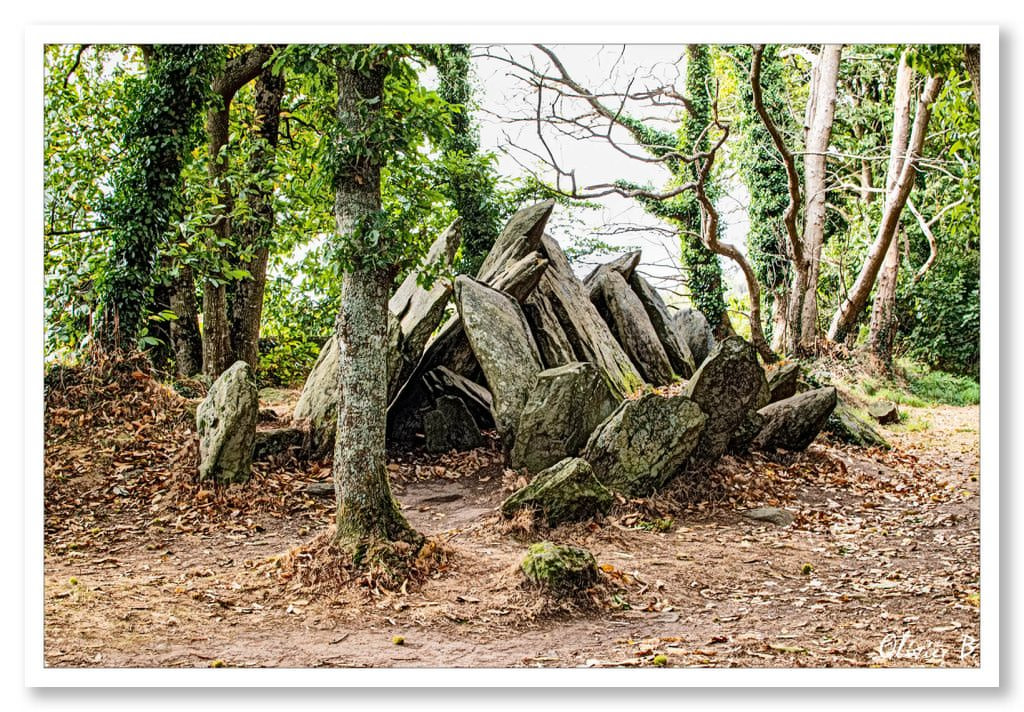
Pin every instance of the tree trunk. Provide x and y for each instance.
(972, 58)
(883, 312)
(185, 337)
(218, 354)
(367, 514)
(255, 234)
(901, 175)
(820, 113)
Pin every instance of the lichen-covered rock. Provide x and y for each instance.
(623, 311)
(727, 387)
(676, 348)
(623, 266)
(317, 407)
(783, 381)
(845, 425)
(773, 515)
(555, 349)
(589, 335)
(565, 492)
(739, 443)
(644, 443)
(226, 422)
(504, 347)
(695, 330)
(450, 426)
(793, 423)
(564, 407)
(885, 412)
(560, 569)
(520, 236)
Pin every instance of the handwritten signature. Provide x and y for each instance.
(896, 646)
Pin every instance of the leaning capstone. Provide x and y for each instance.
(623, 266)
(727, 387)
(450, 426)
(564, 407)
(560, 569)
(695, 330)
(565, 492)
(504, 347)
(623, 311)
(845, 425)
(644, 443)
(793, 423)
(226, 421)
(676, 348)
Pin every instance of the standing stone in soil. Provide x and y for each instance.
(623, 311)
(560, 569)
(520, 236)
(555, 349)
(502, 343)
(793, 423)
(564, 407)
(676, 348)
(644, 443)
(450, 426)
(727, 387)
(590, 337)
(782, 382)
(317, 408)
(693, 326)
(226, 422)
(565, 492)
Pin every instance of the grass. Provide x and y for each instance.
(920, 387)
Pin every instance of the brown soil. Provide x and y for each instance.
(143, 568)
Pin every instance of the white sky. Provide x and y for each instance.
(601, 68)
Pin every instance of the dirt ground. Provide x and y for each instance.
(145, 569)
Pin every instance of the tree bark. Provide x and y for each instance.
(186, 340)
(255, 234)
(367, 514)
(900, 180)
(972, 58)
(821, 107)
(217, 347)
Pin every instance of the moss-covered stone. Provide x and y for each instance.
(565, 492)
(793, 423)
(226, 422)
(845, 425)
(644, 443)
(564, 407)
(561, 569)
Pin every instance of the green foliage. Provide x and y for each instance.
(160, 129)
(941, 387)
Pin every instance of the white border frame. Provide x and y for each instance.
(986, 675)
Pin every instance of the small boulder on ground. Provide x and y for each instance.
(793, 423)
(885, 412)
(773, 515)
(565, 492)
(226, 422)
(644, 443)
(845, 425)
(564, 407)
(450, 426)
(560, 569)
(727, 387)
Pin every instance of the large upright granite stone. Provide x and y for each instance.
(623, 266)
(555, 349)
(226, 422)
(565, 492)
(503, 345)
(625, 314)
(317, 407)
(676, 348)
(727, 387)
(693, 326)
(793, 423)
(644, 443)
(520, 236)
(590, 337)
(564, 407)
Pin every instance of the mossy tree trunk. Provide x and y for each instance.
(367, 514)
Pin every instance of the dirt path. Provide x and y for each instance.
(879, 568)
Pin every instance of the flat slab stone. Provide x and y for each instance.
(625, 314)
(793, 423)
(676, 348)
(773, 515)
(693, 326)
